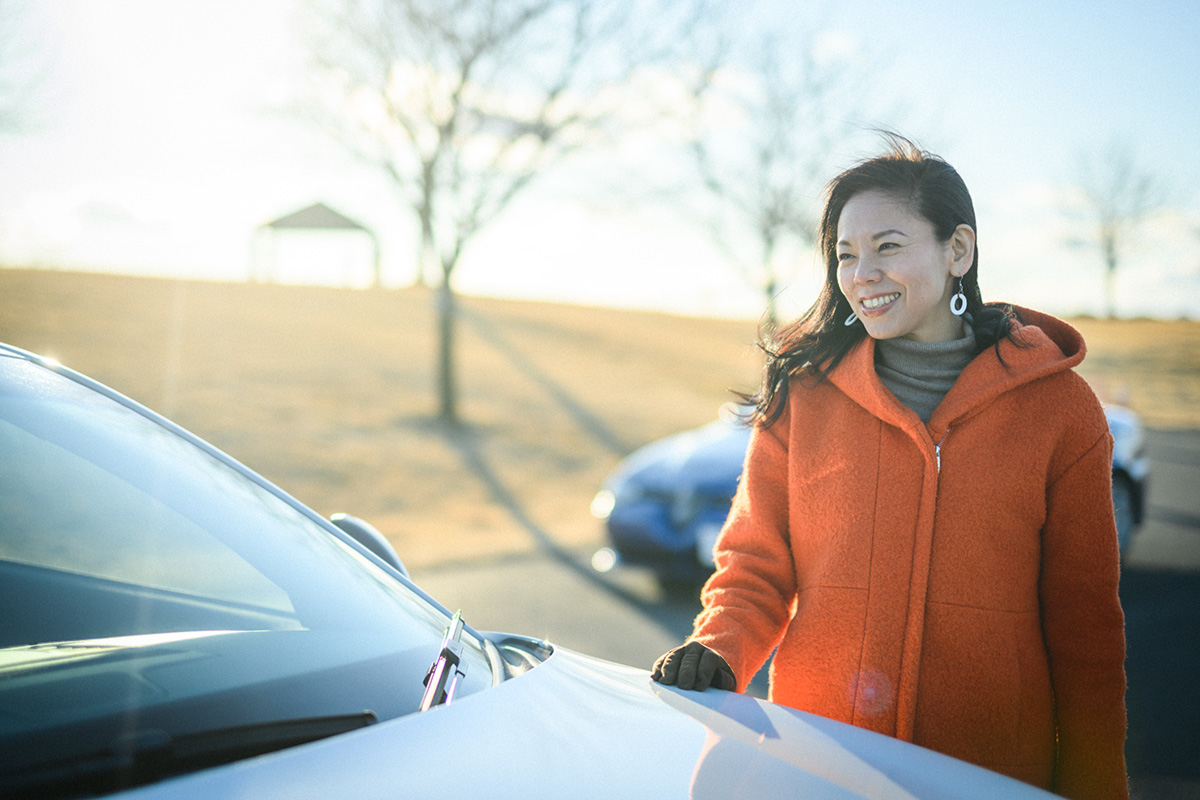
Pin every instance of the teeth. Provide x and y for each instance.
(876, 302)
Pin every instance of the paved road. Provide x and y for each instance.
(624, 617)
(1160, 591)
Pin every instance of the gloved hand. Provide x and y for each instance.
(694, 666)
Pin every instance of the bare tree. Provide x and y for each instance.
(1119, 194)
(463, 103)
(771, 118)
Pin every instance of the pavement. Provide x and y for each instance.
(1160, 592)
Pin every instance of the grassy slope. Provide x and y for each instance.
(329, 392)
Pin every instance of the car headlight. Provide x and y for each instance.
(603, 503)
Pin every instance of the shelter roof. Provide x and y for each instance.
(316, 216)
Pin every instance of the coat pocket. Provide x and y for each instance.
(982, 695)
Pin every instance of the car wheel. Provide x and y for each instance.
(1123, 510)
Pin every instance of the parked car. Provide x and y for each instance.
(177, 627)
(664, 504)
(1131, 472)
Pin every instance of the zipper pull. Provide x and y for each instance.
(937, 451)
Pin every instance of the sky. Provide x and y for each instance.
(154, 151)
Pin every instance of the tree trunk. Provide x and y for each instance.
(425, 249)
(771, 283)
(1110, 275)
(445, 303)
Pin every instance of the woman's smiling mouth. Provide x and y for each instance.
(875, 304)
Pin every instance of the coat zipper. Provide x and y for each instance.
(937, 450)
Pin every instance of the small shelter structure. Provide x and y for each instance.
(342, 236)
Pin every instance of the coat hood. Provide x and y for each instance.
(1041, 346)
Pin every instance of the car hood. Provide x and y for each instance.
(576, 726)
(710, 456)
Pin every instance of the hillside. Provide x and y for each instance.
(329, 392)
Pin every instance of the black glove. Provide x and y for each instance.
(694, 666)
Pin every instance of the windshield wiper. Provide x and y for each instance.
(444, 673)
(146, 756)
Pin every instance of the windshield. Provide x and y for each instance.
(148, 586)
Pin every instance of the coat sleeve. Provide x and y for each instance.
(747, 601)
(1083, 627)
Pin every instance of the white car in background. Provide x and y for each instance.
(177, 627)
(1131, 472)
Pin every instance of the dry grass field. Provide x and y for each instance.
(330, 392)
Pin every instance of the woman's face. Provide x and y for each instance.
(895, 273)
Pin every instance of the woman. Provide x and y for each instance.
(923, 532)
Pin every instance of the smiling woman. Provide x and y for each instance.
(896, 273)
(899, 233)
(923, 531)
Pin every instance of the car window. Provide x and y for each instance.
(90, 487)
(146, 579)
(64, 512)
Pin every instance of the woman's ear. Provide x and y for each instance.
(962, 250)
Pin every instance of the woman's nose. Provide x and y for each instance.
(865, 271)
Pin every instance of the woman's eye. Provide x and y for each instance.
(844, 256)
(888, 246)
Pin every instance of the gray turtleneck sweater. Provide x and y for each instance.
(920, 374)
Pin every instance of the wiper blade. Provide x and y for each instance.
(149, 755)
(225, 744)
(444, 673)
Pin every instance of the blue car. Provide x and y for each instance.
(664, 505)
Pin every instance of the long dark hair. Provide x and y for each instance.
(815, 343)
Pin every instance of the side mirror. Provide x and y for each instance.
(369, 537)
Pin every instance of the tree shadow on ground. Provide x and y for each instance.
(587, 420)
(467, 443)
(676, 608)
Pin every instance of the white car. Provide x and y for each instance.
(176, 627)
(1131, 471)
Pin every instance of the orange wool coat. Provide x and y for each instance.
(953, 584)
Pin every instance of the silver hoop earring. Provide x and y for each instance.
(850, 320)
(958, 303)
